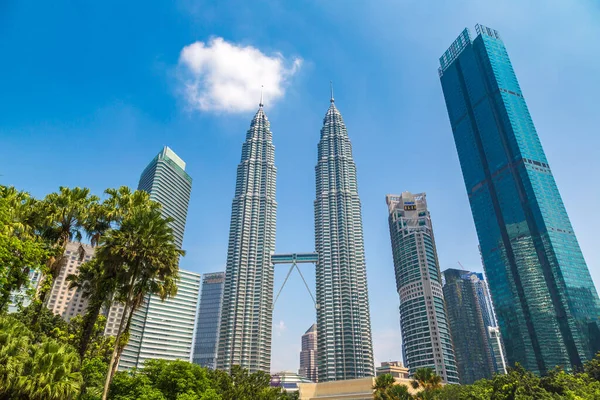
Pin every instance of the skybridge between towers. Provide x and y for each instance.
(294, 259)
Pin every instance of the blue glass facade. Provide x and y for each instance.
(546, 303)
(209, 317)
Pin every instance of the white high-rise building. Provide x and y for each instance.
(426, 338)
(64, 301)
(164, 329)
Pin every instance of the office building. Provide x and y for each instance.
(247, 311)
(490, 321)
(164, 329)
(497, 349)
(352, 389)
(209, 317)
(345, 349)
(545, 301)
(426, 340)
(288, 380)
(168, 184)
(469, 332)
(63, 301)
(308, 354)
(393, 368)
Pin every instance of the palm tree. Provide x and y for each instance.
(398, 392)
(382, 384)
(428, 380)
(97, 279)
(147, 257)
(61, 217)
(50, 373)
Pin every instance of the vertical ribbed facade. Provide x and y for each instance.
(168, 184)
(426, 338)
(209, 319)
(469, 332)
(544, 297)
(247, 311)
(345, 350)
(164, 329)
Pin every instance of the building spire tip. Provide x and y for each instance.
(331, 88)
(261, 96)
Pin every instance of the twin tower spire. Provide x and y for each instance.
(261, 104)
(344, 349)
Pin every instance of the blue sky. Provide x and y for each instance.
(91, 91)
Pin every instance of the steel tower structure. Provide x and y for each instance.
(247, 313)
(345, 349)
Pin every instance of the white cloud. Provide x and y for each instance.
(280, 328)
(226, 77)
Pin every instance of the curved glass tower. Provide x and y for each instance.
(545, 300)
(345, 350)
(426, 338)
(247, 311)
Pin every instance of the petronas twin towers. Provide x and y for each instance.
(344, 348)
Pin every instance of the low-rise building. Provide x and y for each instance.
(352, 389)
(394, 368)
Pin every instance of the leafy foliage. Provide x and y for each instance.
(180, 380)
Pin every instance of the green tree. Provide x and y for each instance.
(60, 218)
(50, 373)
(144, 249)
(98, 278)
(20, 249)
(382, 384)
(398, 392)
(428, 381)
(592, 367)
(14, 344)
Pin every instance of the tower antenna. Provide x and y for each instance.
(261, 96)
(331, 88)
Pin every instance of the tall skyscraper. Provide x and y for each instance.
(497, 348)
(209, 318)
(63, 301)
(426, 340)
(546, 303)
(308, 354)
(247, 313)
(469, 332)
(489, 320)
(164, 329)
(168, 183)
(345, 350)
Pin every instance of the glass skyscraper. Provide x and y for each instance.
(469, 333)
(345, 350)
(426, 339)
(209, 317)
(247, 313)
(168, 183)
(546, 303)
